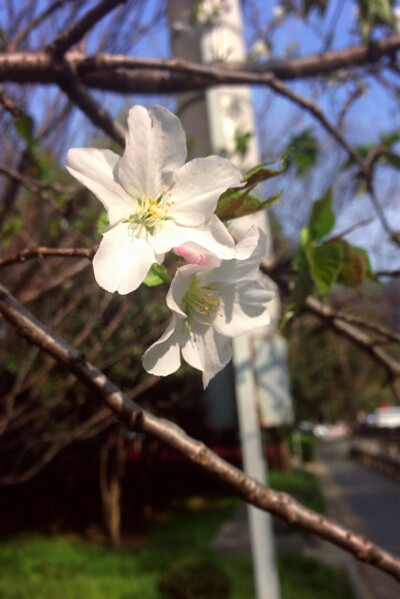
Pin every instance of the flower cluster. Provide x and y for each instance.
(156, 203)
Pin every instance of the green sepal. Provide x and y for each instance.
(157, 275)
(102, 223)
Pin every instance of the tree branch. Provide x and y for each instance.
(78, 94)
(361, 338)
(21, 35)
(278, 504)
(123, 74)
(38, 252)
(71, 36)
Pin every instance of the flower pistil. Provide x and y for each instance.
(151, 212)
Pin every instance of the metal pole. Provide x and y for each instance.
(227, 111)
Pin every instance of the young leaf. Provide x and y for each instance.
(322, 217)
(356, 267)
(24, 126)
(302, 152)
(236, 204)
(259, 173)
(392, 158)
(325, 265)
(237, 201)
(303, 285)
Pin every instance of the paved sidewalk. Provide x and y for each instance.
(356, 497)
(233, 538)
(368, 503)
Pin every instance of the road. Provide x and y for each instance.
(369, 503)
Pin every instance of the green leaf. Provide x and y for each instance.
(392, 158)
(373, 13)
(102, 222)
(237, 204)
(302, 152)
(356, 267)
(390, 138)
(322, 217)
(303, 285)
(259, 173)
(237, 201)
(157, 275)
(24, 126)
(325, 265)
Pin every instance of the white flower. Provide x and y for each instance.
(210, 304)
(278, 12)
(260, 49)
(154, 201)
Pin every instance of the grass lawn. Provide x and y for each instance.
(302, 485)
(65, 567)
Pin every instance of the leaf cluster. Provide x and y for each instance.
(322, 262)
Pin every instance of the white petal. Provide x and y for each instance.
(241, 269)
(180, 284)
(190, 349)
(207, 350)
(198, 185)
(253, 293)
(163, 357)
(122, 261)
(155, 146)
(242, 309)
(96, 169)
(248, 243)
(213, 237)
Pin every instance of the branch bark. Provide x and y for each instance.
(278, 504)
(123, 74)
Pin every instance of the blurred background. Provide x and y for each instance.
(89, 509)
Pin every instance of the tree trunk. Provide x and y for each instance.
(111, 473)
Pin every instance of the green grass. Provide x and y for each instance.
(302, 485)
(66, 567)
(307, 578)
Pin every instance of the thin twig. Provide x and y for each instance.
(79, 95)
(21, 35)
(39, 252)
(73, 34)
(8, 104)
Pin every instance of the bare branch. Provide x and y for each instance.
(31, 295)
(313, 109)
(362, 339)
(77, 30)
(79, 95)
(278, 504)
(9, 105)
(122, 74)
(21, 35)
(39, 252)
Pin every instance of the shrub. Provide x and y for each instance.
(307, 444)
(194, 578)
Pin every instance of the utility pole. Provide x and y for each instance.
(213, 121)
